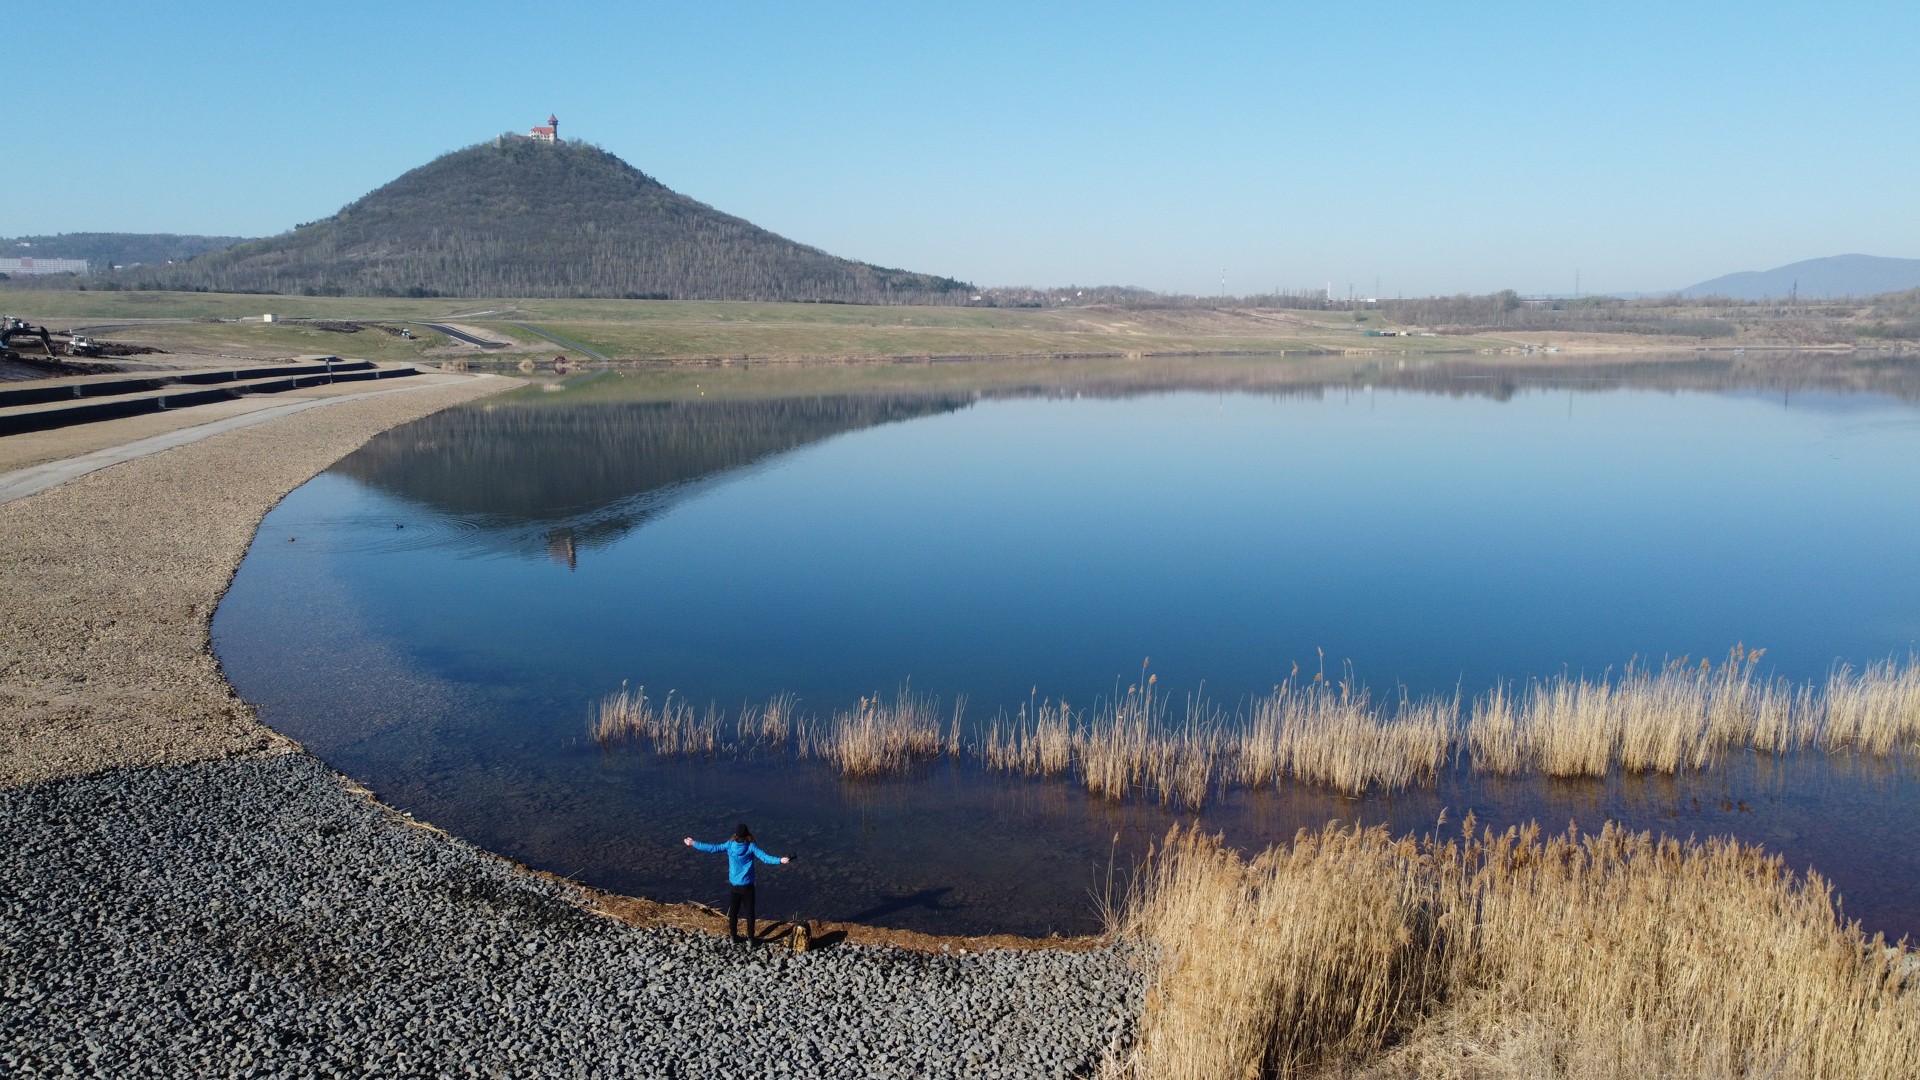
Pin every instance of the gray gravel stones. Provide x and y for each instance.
(252, 917)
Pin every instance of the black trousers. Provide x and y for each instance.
(742, 897)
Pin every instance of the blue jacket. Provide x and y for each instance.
(740, 858)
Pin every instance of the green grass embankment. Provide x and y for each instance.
(668, 330)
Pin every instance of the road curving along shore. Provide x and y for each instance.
(184, 892)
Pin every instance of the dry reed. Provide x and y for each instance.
(879, 736)
(1186, 762)
(1042, 742)
(1317, 733)
(772, 723)
(1507, 955)
(1127, 747)
(1675, 718)
(1331, 735)
(672, 727)
(1876, 709)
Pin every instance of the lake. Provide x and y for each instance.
(439, 614)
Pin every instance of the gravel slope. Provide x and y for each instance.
(253, 917)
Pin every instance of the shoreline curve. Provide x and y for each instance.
(102, 580)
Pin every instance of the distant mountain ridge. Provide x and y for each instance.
(1816, 279)
(520, 217)
(107, 249)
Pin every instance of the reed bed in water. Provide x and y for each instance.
(1876, 709)
(671, 726)
(1315, 732)
(1125, 747)
(1507, 955)
(1667, 719)
(1128, 746)
(773, 723)
(1332, 735)
(879, 736)
(876, 737)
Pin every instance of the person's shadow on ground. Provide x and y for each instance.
(925, 899)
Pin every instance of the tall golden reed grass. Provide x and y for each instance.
(773, 723)
(1041, 741)
(1876, 709)
(876, 737)
(671, 726)
(879, 736)
(1667, 720)
(1126, 747)
(1333, 736)
(1678, 717)
(1351, 953)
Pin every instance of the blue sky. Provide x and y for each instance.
(1428, 147)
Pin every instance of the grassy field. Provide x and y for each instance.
(708, 330)
(665, 330)
(262, 341)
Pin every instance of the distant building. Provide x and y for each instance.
(549, 132)
(43, 266)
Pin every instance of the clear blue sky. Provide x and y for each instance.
(1431, 147)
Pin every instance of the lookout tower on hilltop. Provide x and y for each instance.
(550, 133)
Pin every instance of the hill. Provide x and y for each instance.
(515, 217)
(108, 249)
(1816, 279)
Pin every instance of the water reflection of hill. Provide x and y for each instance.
(582, 462)
(530, 472)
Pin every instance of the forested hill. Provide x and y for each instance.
(515, 217)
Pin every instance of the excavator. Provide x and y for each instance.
(11, 328)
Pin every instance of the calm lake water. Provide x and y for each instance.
(438, 613)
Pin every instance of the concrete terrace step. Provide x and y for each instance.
(66, 388)
(88, 399)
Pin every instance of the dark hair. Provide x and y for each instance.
(741, 832)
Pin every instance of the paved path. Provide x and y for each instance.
(564, 343)
(462, 335)
(30, 481)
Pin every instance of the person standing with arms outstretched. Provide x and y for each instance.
(741, 853)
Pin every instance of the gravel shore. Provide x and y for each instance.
(185, 893)
(253, 917)
(109, 582)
